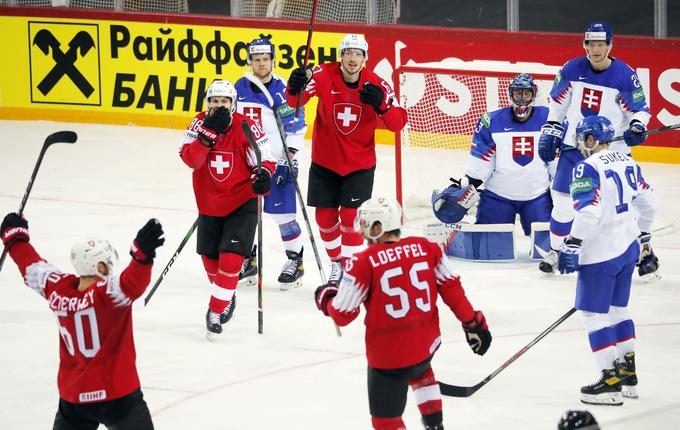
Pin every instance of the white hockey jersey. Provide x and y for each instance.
(615, 93)
(255, 105)
(504, 154)
(609, 192)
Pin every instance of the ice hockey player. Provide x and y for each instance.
(97, 380)
(226, 184)
(398, 280)
(504, 157)
(351, 100)
(594, 84)
(607, 190)
(281, 202)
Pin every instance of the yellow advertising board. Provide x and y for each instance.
(126, 72)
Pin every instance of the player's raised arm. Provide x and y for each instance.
(135, 278)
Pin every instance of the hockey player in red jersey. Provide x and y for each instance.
(226, 185)
(97, 380)
(351, 99)
(398, 281)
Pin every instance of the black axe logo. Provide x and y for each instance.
(82, 42)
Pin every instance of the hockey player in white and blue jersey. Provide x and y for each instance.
(595, 84)
(280, 203)
(504, 157)
(605, 189)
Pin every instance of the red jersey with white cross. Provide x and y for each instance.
(398, 283)
(344, 128)
(96, 349)
(222, 174)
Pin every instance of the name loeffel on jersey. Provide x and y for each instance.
(391, 255)
(71, 304)
(612, 157)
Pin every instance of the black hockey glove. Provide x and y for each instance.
(214, 124)
(148, 238)
(477, 333)
(262, 182)
(297, 81)
(14, 229)
(323, 294)
(372, 95)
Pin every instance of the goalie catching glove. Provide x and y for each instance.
(148, 238)
(477, 333)
(451, 205)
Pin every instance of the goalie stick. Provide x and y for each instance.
(258, 156)
(171, 262)
(460, 391)
(282, 134)
(58, 137)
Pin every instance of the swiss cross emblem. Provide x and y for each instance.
(522, 149)
(346, 117)
(220, 164)
(591, 100)
(254, 113)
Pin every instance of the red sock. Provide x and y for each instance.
(329, 229)
(426, 391)
(388, 423)
(224, 286)
(210, 265)
(352, 242)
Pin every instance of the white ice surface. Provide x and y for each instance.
(297, 375)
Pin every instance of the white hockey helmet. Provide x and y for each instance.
(356, 41)
(221, 88)
(378, 209)
(85, 256)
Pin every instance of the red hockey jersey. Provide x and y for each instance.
(398, 283)
(344, 129)
(97, 349)
(222, 174)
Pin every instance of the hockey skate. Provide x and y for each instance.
(336, 272)
(549, 263)
(248, 275)
(213, 324)
(626, 372)
(291, 275)
(606, 391)
(228, 312)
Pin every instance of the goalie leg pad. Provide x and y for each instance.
(540, 240)
(481, 242)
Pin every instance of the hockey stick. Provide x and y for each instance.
(309, 46)
(258, 156)
(282, 134)
(648, 132)
(458, 391)
(58, 137)
(171, 262)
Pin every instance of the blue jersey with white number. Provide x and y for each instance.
(615, 93)
(604, 189)
(504, 154)
(254, 104)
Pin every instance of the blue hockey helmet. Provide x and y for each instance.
(521, 84)
(598, 30)
(597, 126)
(261, 45)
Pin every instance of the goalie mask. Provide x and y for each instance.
(597, 126)
(522, 94)
(378, 209)
(86, 255)
(355, 41)
(221, 88)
